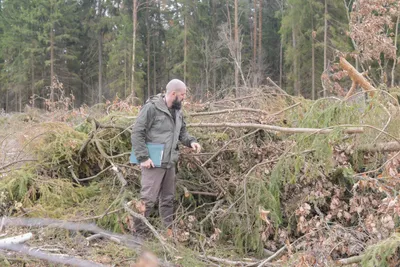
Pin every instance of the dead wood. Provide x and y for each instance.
(351, 260)
(68, 260)
(348, 130)
(130, 241)
(217, 112)
(380, 147)
(357, 78)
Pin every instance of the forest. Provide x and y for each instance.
(295, 103)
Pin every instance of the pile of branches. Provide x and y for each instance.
(280, 178)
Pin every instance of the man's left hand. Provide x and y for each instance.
(196, 146)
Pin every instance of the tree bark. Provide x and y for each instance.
(281, 54)
(51, 64)
(312, 60)
(325, 39)
(134, 18)
(100, 57)
(260, 9)
(100, 77)
(33, 81)
(255, 34)
(295, 62)
(237, 47)
(185, 45)
(148, 49)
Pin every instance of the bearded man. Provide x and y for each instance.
(160, 121)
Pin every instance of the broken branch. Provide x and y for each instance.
(349, 130)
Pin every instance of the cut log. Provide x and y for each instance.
(356, 77)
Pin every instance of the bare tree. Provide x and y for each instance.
(235, 53)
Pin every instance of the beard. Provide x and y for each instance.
(176, 104)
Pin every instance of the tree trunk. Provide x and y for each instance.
(148, 49)
(155, 69)
(33, 82)
(51, 64)
(312, 59)
(281, 54)
(7, 90)
(325, 39)
(100, 89)
(134, 17)
(255, 33)
(207, 64)
(295, 62)
(185, 45)
(260, 37)
(395, 45)
(20, 98)
(126, 74)
(236, 29)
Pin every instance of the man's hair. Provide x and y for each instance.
(175, 85)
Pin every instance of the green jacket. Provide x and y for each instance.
(156, 125)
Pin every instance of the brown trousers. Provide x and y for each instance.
(158, 183)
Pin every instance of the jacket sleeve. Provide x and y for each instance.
(138, 136)
(185, 138)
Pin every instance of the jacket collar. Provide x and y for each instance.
(159, 102)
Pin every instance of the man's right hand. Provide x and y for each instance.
(147, 164)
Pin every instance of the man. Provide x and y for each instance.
(161, 121)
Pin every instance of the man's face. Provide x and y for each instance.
(179, 97)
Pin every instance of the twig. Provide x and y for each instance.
(15, 162)
(236, 99)
(276, 86)
(216, 206)
(84, 145)
(208, 174)
(222, 148)
(285, 109)
(348, 130)
(98, 216)
(119, 175)
(387, 123)
(203, 193)
(148, 224)
(93, 237)
(87, 178)
(99, 125)
(276, 254)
